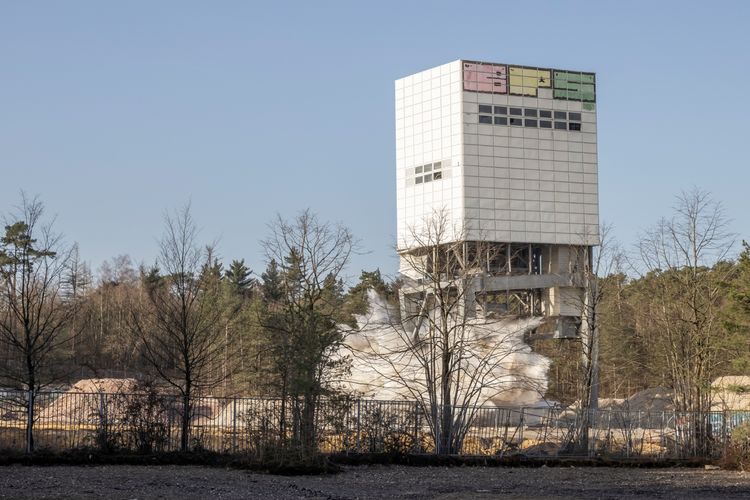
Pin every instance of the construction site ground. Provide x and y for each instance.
(362, 482)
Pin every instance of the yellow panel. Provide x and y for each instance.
(529, 81)
(540, 77)
(544, 78)
(525, 81)
(516, 80)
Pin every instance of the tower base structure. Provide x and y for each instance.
(498, 280)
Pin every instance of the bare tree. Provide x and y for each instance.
(179, 325)
(302, 322)
(440, 352)
(680, 256)
(34, 310)
(595, 264)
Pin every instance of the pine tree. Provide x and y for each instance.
(272, 283)
(239, 277)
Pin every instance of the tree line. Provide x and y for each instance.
(675, 313)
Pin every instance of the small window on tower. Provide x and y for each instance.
(561, 115)
(574, 126)
(561, 126)
(545, 124)
(516, 121)
(501, 120)
(529, 112)
(529, 123)
(428, 167)
(418, 170)
(483, 108)
(437, 175)
(418, 180)
(576, 117)
(516, 111)
(501, 110)
(485, 119)
(428, 177)
(543, 113)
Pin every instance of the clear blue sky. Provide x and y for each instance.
(114, 112)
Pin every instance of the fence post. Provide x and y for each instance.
(417, 427)
(234, 424)
(358, 427)
(103, 421)
(520, 427)
(30, 421)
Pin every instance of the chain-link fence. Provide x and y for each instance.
(151, 422)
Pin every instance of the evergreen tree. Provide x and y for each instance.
(239, 277)
(737, 311)
(272, 283)
(35, 312)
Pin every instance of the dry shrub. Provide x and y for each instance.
(737, 453)
(146, 419)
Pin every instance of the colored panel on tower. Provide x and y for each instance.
(526, 81)
(486, 77)
(574, 86)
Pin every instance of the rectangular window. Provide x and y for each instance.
(561, 115)
(545, 124)
(529, 112)
(437, 175)
(501, 120)
(574, 126)
(437, 165)
(515, 111)
(485, 119)
(543, 113)
(501, 110)
(516, 121)
(574, 116)
(428, 177)
(418, 170)
(561, 125)
(530, 123)
(418, 180)
(428, 167)
(483, 108)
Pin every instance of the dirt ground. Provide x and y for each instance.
(188, 482)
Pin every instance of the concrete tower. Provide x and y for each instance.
(507, 155)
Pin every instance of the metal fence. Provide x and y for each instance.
(151, 422)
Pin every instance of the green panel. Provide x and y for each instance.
(577, 86)
(588, 96)
(589, 106)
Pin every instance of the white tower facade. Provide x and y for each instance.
(508, 154)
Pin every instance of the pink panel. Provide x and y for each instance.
(486, 78)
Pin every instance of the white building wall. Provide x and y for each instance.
(429, 130)
(530, 185)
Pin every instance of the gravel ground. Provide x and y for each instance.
(187, 482)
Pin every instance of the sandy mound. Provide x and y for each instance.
(731, 393)
(89, 401)
(654, 400)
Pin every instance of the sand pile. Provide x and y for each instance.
(652, 400)
(731, 393)
(89, 401)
